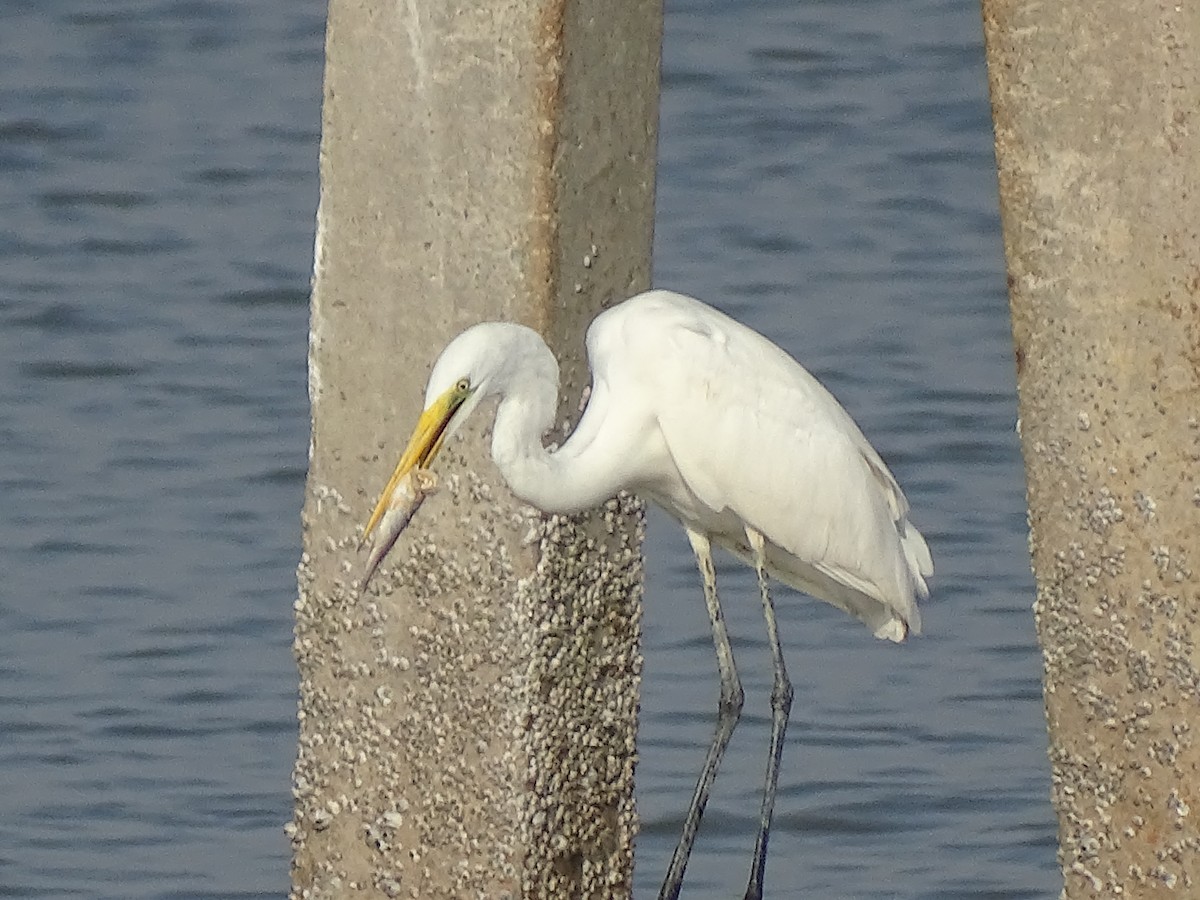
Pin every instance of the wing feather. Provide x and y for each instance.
(754, 439)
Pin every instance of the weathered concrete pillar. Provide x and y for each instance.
(467, 727)
(1097, 116)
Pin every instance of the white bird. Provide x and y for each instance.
(728, 434)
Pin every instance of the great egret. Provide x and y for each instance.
(728, 434)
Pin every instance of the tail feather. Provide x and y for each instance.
(916, 554)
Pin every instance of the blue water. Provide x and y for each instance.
(826, 175)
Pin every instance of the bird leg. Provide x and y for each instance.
(728, 712)
(781, 705)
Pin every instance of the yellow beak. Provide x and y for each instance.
(422, 447)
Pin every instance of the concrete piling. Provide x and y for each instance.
(1098, 147)
(467, 725)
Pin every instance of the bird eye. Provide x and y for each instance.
(463, 385)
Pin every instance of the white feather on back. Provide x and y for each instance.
(754, 439)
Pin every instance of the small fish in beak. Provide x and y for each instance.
(402, 504)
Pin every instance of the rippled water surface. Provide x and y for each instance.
(826, 175)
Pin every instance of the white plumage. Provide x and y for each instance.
(746, 436)
(722, 429)
(727, 433)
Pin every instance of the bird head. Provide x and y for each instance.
(478, 363)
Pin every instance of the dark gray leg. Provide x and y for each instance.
(728, 712)
(781, 705)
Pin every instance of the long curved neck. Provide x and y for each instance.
(564, 481)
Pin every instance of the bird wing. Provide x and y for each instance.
(757, 440)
